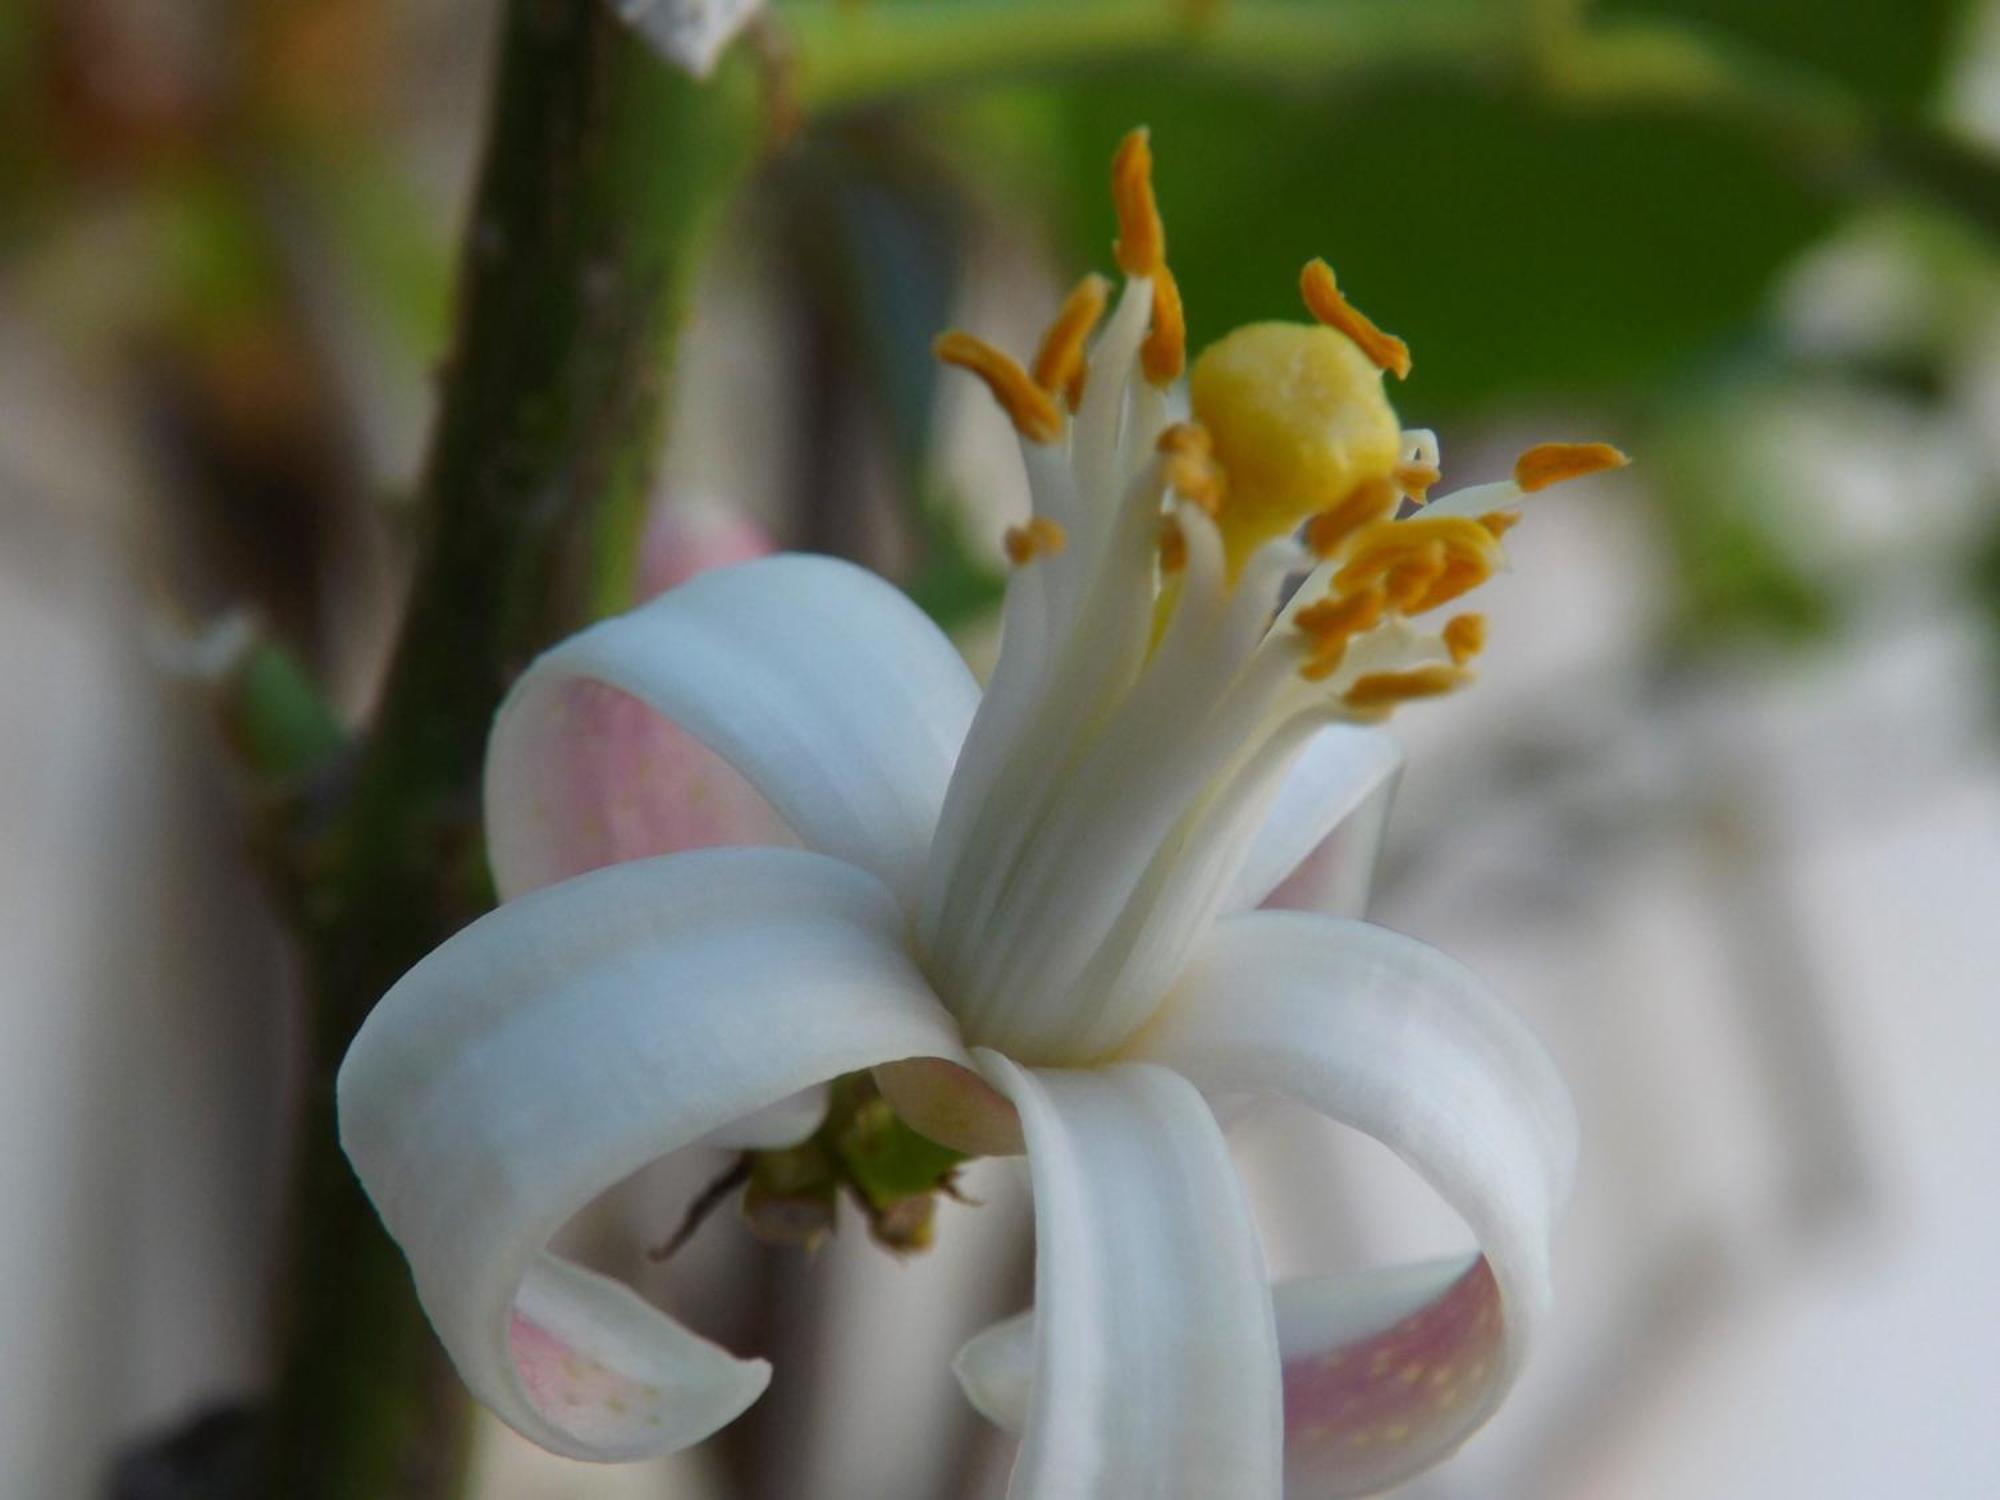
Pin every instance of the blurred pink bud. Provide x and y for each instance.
(685, 536)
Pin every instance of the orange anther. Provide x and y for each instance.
(1382, 690)
(1500, 522)
(1324, 302)
(1030, 408)
(1465, 637)
(1370, 500)
(1415, 479)
(1552, 463)
(1141, 246)
(1164, 354)
(1336, 618)
(1059, 361)
(1040, 537)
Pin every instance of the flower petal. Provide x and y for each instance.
(563, 1041)
(1381, 1325)
(1156, 1361)
(815, 684)
(1345, 771)
(1387, 1035)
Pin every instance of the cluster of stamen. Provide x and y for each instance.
(1148, 646)
(1378, 571)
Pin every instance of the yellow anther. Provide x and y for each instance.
(1399, 553)
(1552, 463)
(1415, 479)
(1039, 537)
(1141, 247)
(1384, 690)
(1500, 522)
(1164, 354)
(1411, 579)
(1173, 545)
(1186, 453)
(1298, 417)
(1370, 500)
(1324, 301)
(1337, 618)
(1465, 637)
(1030, 408)
(1060, 360)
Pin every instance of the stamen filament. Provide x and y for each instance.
(1324, 301)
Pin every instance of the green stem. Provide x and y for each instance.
(605, 174)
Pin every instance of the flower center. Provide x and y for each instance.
(1155, 680)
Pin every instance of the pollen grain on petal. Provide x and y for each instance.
(1173, 545)
(1499, 522)
(1164, 354)
(1324, 301)
(1040, 536)
(1059, 361)
(1141, 247)
(1030, 408)
(1552, 463)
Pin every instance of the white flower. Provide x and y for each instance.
(1034, 912)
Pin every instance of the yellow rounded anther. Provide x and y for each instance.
(1299, 421)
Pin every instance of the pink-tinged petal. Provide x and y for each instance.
(1154, 1355)
(688, 535)
(799, 690)
(1317, 846)
(618, 782)
(1376, 1366)
(560, 1043)
(1381, 1033)
(1371, 1361)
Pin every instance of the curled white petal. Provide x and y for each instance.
(1366, 1358)
(1155, 1357)
(689, 33)
(1343, 770)
(1391, 1037)
(821, 686)
(565, 1040)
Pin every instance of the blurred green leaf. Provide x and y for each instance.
(1890, 52)
(1523, 250)
(1738, 580)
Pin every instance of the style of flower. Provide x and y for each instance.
(1033, 912)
